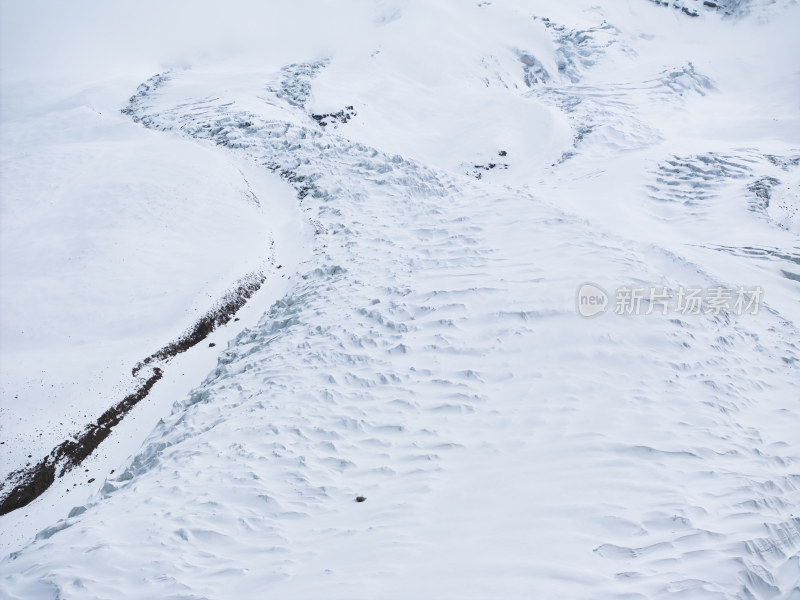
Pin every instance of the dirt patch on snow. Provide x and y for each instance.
(28, 483)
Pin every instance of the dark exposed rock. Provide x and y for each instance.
(477, 170)
(27, 484)
(31, 483)
(336, 118)
(692, 8)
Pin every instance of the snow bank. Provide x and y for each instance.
(429, 357)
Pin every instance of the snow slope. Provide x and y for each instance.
(429, 357)
(119, 249)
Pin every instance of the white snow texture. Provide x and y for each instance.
(425, 186)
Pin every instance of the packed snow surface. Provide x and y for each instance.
(435, 181)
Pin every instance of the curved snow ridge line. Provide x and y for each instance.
(609, 116)
(382, 320)
(416, 348)
(268, 354)
(26, 484)
(692, 182)
(243, 131)
(283, 315)
(700, 190)
(225, 309)
(782, 339)
(790, 269)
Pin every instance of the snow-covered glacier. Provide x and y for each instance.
(422, 399)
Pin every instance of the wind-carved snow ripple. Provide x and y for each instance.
(692, 181)
(691, 184)
(372, 402)
(698, 188)
(409, 292)
(609, 116)
(430, 359)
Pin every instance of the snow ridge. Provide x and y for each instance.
(430, 361)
